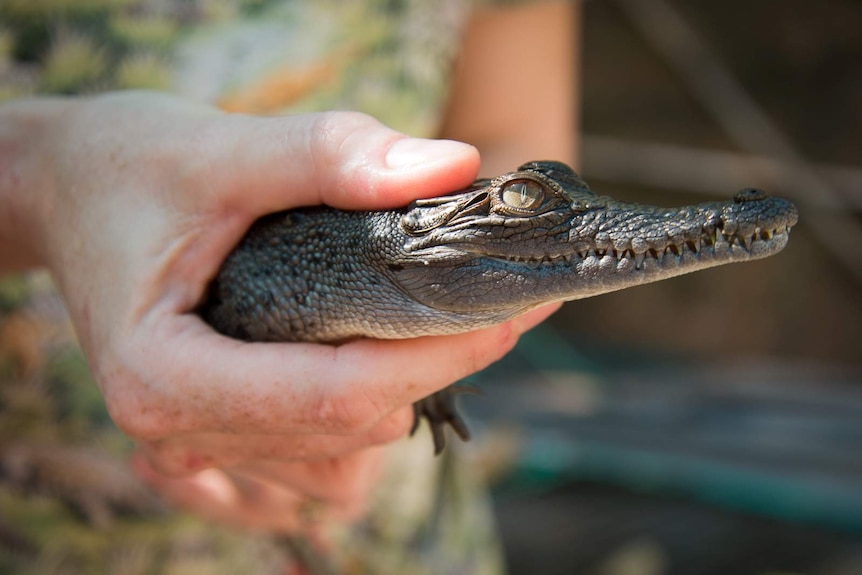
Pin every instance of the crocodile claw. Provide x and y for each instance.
(440, 409)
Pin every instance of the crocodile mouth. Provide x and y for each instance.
(717, 245)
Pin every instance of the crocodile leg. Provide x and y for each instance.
(440, 409)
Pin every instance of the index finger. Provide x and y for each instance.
(210, 383)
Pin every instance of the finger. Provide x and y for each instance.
(343, 159)
(536, 316)
(210, 383)
(345, 481)
(256, 166)
(219, 496)
(184, 455)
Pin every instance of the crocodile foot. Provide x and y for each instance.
(440, 409)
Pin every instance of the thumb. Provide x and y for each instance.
(343, 159)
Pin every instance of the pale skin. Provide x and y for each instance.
(133, 200)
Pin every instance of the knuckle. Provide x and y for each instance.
(392, 428)
(135, 418)
(503, 339)
(330, 131)
(344, 146)
(343, 414)
(508, 337)
(133, 406)
(177, 462)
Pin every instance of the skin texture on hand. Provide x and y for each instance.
(133, 201)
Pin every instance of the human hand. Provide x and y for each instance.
(141, 197)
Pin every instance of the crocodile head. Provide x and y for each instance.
(539, 234)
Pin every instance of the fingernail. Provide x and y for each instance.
(411, 152)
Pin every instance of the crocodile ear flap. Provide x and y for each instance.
(425, 215)
(421, 219)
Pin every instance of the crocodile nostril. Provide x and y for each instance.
(749, 195)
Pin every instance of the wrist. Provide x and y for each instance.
(27, 180)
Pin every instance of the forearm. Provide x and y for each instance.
(515, 89)
(26, 179)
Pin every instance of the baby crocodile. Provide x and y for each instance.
(471, 259)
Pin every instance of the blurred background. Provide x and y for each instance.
(713, 423)
(710, 424)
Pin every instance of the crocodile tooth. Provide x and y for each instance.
(639, 261)
(747, 241)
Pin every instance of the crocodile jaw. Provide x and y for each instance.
(594, 273)
(510, 284)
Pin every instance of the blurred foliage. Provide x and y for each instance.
(72, 64)
(158, 545)
(13, 291)
(7, 41)
(143, 71)
(68, 501)
(82, 46)
(155, 32)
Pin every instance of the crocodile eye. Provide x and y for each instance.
(523, 195)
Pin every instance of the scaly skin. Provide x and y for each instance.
(471, 259)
